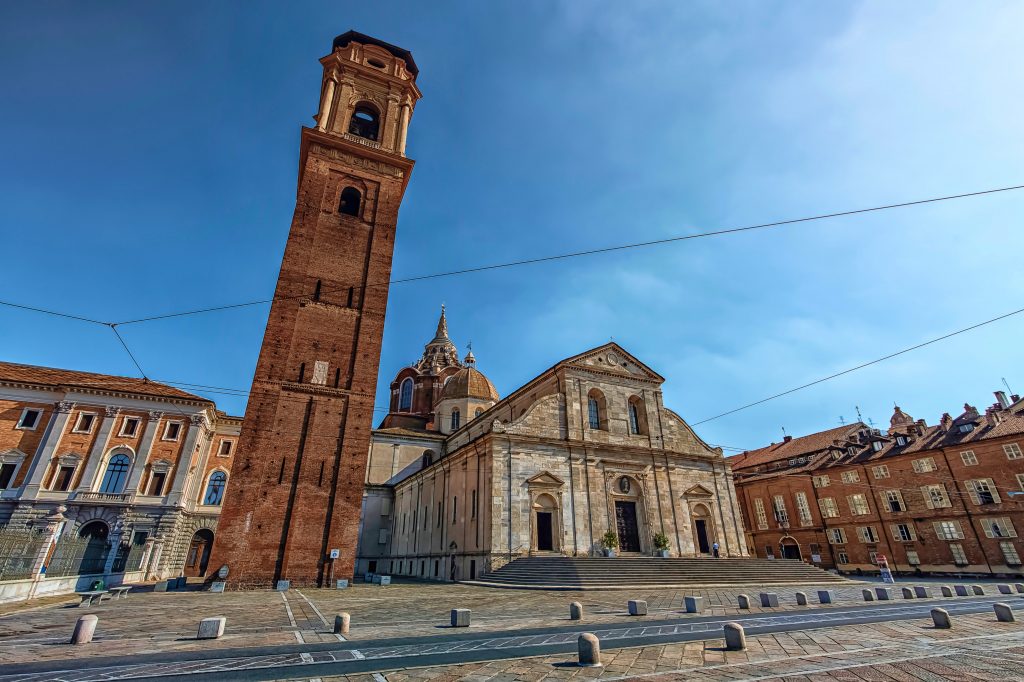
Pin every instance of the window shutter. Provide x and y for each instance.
(884, 500)
(938, 530)
(959, 530)
(992, 488)
(927, 497)
(895, 530)
(972, 490)
(1008, 527)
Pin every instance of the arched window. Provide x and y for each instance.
(427, 459)
(94, 558)
(116, 475)
(479, 411)
(215, 488)
(365, 122)
(597, 410)
(405, 396)
(455, 419)
(349, 202)
(637, 416)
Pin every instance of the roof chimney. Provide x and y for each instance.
(786, 439)
(1004, 402)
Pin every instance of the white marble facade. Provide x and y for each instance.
(549, 470)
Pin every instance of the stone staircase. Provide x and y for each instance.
(545, 572)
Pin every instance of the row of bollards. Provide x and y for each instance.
(85, 628)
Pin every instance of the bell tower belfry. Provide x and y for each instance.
(295, 491)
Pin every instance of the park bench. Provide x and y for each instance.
(121, 591)
(92, 597)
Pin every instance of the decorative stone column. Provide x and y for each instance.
(139, 464)
(88, 481)
(404, 130)
(185, 459)
(47, 445)
(115, 545)
(327, 103)
(53, 523)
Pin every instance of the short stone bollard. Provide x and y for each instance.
(978, 589)
(868, 595)
(368, 578)
(384, 580)
(211, 628)
(1004, 614)
(182, 582)
(769, 599)
(908, 593)
(1019, 587)
(940, 617)
(161, 586)
(637, 607)
(589, 650)
(743, 601)
(341, 584)
(922, 592)
(460, 618)
(735, 638)
(694, 604)
(341, 623)
(947, 591)
(575, 611)
(217, 586)
(961, 590)
(801, 599)
(283, 585)
(1004, 589)
(826, 597)
(84, 629)
(883, 593)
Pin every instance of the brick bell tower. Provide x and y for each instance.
(295, 492)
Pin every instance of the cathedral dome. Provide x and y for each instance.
(469, 382)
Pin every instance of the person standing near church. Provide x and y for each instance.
(714, 550)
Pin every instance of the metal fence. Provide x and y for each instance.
(19, 549)
(73, 555)
(129, 557)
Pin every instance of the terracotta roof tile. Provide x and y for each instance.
(797, 447)
(53, 377)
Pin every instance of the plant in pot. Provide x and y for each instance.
(661, 545)
(610, 542)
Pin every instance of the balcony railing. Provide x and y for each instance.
(110, 498)
(372, 144)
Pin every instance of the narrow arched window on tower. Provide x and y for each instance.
(365, 122)
(455, 420)
(405, 396)
(348, 204)
(637, 416)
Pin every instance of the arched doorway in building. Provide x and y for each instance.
(94, 555)
(789, 548)
(703, 529)
(199, 553)
(545, 510)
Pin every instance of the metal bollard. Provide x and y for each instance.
(735, 638)
(1004, 614)
(575, 611)
(84, 629)
(940, 617)
(589, 650)
(341, 623)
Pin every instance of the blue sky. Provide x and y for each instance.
(150, 151)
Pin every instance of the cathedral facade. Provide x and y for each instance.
(461, 481)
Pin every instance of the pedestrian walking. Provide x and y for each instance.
(714, 550)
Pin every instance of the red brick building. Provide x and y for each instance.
(297, 486)
(928, 498)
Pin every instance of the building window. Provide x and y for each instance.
(62, 481)
(923, 465)
(999, 528)
(7, 470)
(172, 430)
(836, 536)
(850, 477)
(966, 428)
(912, 558)
(803, 510)
(637, 416)
(1010, 553)
(828, 507)
(982, 491)
(84, 423)
(881, 471)
(455, 420)
(779, 507)
(894, 501)
(935, 496)
(858, 505)
(594, 412)
(867, 534)
(762, 518)
(479, 411)
(900, 441)
(29, 419)
(215, 488)
(842, 558)
(156, 483)
(348, 203)
(1012, 451)
(948, 530)
(365, 122)
(116, 475)
(968, 458)
(903, 532)
(405, 396)
(130, 426)
(821, 481)
(1020, 482)
(959, 556)
(225, 448)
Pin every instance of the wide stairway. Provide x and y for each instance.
(622, 572)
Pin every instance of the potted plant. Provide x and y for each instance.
(661, 545)
(610, 542)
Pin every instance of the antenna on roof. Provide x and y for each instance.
(859, 417)
(842, 421)
(783, 431)
(871, 422)
(1010, 390)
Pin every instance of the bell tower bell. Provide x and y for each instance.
(295, 492)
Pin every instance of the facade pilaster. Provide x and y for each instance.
(139, 465)
(87, 482)
(195, 429)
